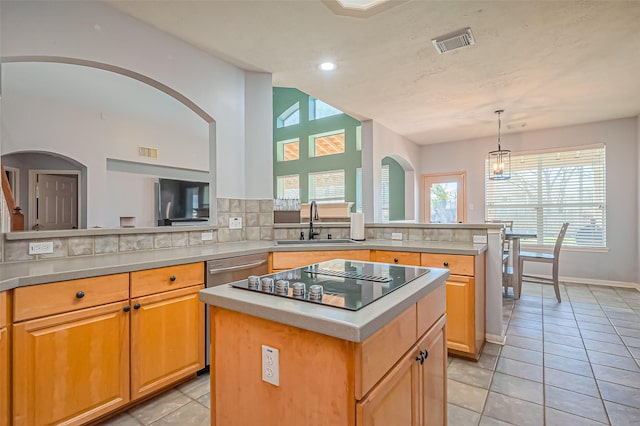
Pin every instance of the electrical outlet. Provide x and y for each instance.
(207, 236)
(41, 247)
(235, 223)
(271, 365)
(480, 239)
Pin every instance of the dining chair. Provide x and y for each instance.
(553, 258)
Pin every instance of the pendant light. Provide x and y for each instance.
(499, 160)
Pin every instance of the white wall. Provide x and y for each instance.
(96, 32)
(620, 261)
(638, 186)
(259, 134)
(379, 142)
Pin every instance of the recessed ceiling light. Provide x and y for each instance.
(327, 66)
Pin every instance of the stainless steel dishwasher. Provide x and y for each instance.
(228, 270)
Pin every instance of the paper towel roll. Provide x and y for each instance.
(357, 226)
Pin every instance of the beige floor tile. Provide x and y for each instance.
(555, 417)
(616, 361)
(490, 421)
(558, 362)
(521, 354)
(518, 388)
(205, 400)
(159, 406)
(466, 396)
(459, 416)
(524, 342)
(563, 339)
(620, 394)
(124, 419)
(195, 388)
(622, 415)
(616, 375)
(575, 403)
(572, 382)
(513, 410)
(191, 414)
(468, 372)
(519, 369)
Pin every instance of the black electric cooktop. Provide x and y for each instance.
(346, 284)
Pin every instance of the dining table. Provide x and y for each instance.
(515, 235)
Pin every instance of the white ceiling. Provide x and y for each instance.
(546, 63)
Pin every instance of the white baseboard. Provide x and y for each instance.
(494, 338)
(590, 281)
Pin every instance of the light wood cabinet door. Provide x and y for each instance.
(461, 313)
(167, 339)
(71, 368)
(395, 399)
(396, 257)
(433, 380)
(4, 377)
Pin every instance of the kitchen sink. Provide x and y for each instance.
(319, 241)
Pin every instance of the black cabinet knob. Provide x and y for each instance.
(172, 278)
(136, 306)
(446, 264)
(80, 294)
(126, 308)
(395, 260)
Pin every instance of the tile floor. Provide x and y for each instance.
(573, 363)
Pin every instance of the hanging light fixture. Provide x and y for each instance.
(499, 160)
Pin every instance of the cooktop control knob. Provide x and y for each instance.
(253, 282)
(282, 287)
(298, 289)
(315, 292)
(267, 285)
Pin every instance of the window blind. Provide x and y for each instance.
(384, 185)
(327, 186)
(548, 188)
(288, 186)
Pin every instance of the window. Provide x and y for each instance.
(384, 176)
(327, 186)
(327, 143)
(548, 188)
(288, 186)
(288, 150)
(319, 109)
(290, 117)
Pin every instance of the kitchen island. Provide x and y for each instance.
(289, 362)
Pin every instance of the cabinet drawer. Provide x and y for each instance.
(378, 353)
(430, 308)
(399, 257)
(457, 264)
(289, 260)
(3, 309)
(64, 296)
(164, 279)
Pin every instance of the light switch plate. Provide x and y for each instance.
(480, 239)
(207, 236)
(41, 247)
(271, 365)
(235, 223)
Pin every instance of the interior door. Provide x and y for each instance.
(444, 196)
(56, 202)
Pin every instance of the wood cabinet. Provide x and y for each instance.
(70, 350)
(4, 362)
(465, 301)
(84, 348)
(414, 392)
(294, 259)
(167, 339)
(374, 382)
(396, 257)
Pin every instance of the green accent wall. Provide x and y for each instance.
(396, 189)
(349, 161)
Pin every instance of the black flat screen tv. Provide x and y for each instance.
(182, 201)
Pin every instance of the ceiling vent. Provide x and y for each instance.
(454, 40)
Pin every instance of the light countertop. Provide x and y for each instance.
(18, 274)
(354, 326)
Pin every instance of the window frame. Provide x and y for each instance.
(313, 138)
(283, 194)
(573, 190)
(280, 149)
(313, 194)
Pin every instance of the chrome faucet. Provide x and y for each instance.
(313, 214)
